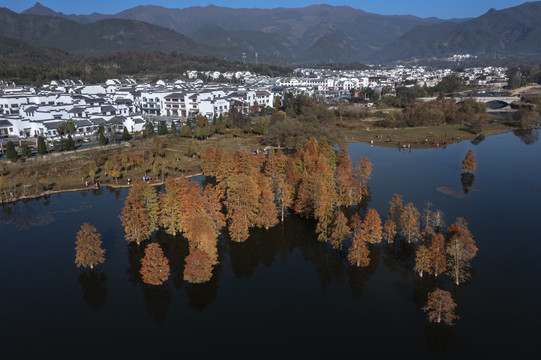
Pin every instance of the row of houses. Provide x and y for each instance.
(27, 111)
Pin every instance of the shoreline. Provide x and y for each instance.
(53, 192)
(350, 139)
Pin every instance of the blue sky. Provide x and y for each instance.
(424, 8)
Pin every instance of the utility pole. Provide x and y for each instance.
(256, 58)
(244, 58)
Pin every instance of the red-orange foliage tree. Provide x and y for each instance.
(344, 177)
(469, 164)
(389, 231)
(339, 230)
(408, 223)
(276, 169)
(216, 162)
(198, 267)
(460, 250)
(372, 226)
(155, 266)
(242, 205)
(135, 215)
(422, 261)
(438, 261)
(316, 195)
(358, 254)
(396, 206)
(88, 250)
(268, 213)
(363, 173)
(440, 307)
(170, 212)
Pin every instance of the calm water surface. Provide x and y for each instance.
(283, 294)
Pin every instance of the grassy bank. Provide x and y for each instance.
(68, 172)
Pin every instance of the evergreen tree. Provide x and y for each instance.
(149, 129)
(42, 148)
(125, 134)
(162, 128)
(11, 153)
(102, 139)
(70, 144)
(26, 152)
(173, 128)
(88, 251)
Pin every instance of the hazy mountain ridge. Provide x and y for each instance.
(289, 33)
(312, 34)
(513, 31)
(104, 36)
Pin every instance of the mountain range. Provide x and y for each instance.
(312, 34)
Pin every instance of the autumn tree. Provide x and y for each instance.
(344, 177)
(316, 194)
(276, 168)
(155, 266)
(460, 250)
(339, 230)
(169, 201)
(358, 254)
(422, 261)
(217, 163)
(363, 173)
(198, 267)
(440, 307)
(469, 164)
(136, 218)
(389, 231)
(436, 249)
(408, 223)
(396, 206)
(268, 213)
(242, 205)
(88, 250)
(372, 226)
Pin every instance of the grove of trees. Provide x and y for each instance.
(245, 191)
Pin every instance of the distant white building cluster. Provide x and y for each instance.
(28, 112)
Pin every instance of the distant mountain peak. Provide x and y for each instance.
(39, 9)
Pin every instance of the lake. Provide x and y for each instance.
(283, 293)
